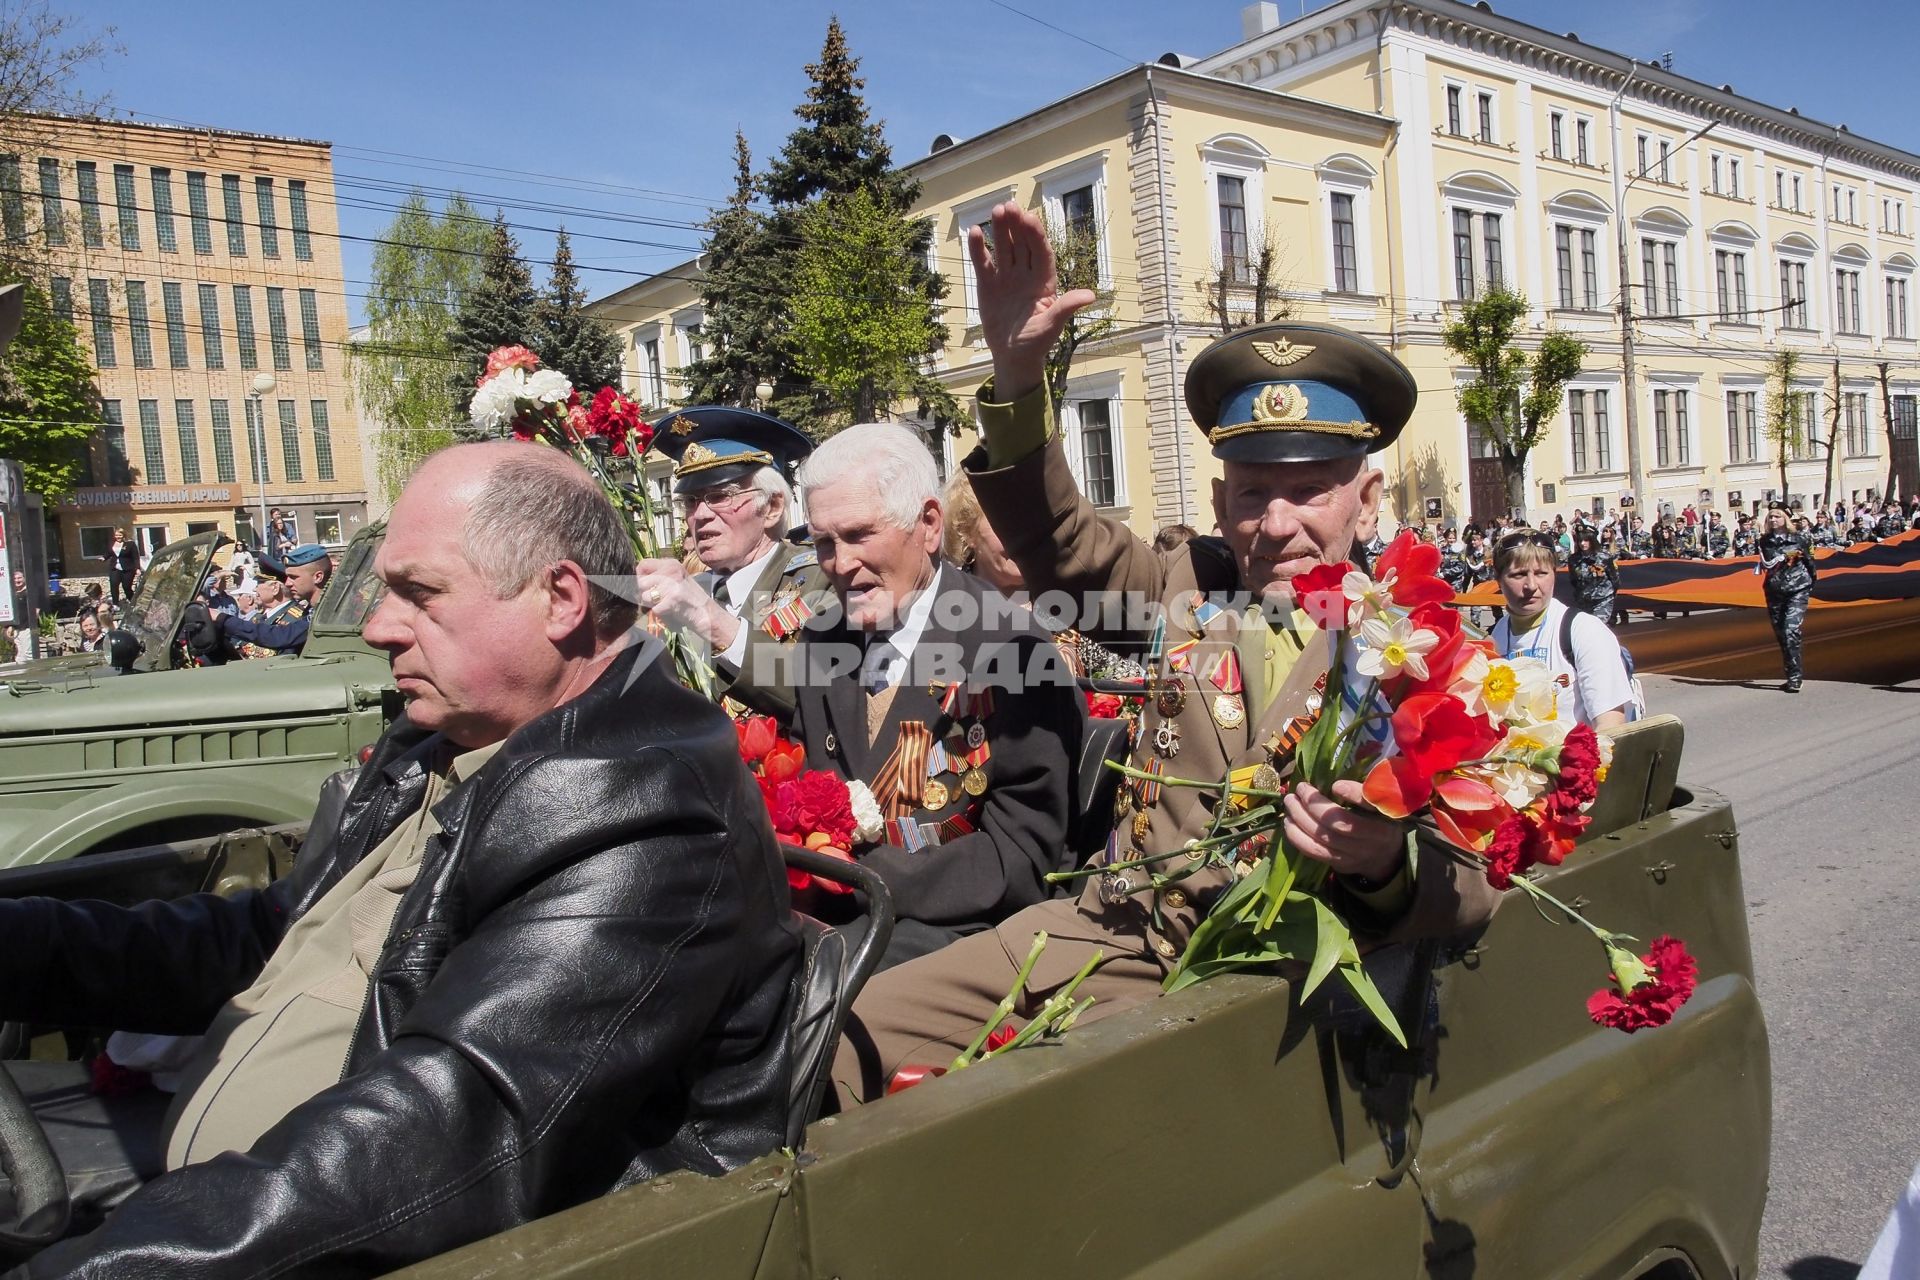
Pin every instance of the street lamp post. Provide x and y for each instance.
(263, 385)
(1636, 479)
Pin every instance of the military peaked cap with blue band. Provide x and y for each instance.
(713, 444)
(1298, 393)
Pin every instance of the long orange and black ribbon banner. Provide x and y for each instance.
(1864, 573)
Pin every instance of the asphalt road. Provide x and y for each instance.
(1826, 790)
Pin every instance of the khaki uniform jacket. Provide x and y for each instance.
(1062, 544)
(790, 590)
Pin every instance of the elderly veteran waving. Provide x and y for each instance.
(1293, 412)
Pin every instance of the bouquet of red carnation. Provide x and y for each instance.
(810, 808)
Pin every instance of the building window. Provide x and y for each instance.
(1577, 259)
(277, 328)
(326, 528)
(1796, 193)
(1793, 294)
(1092, 426)
(119, 472)
(176, 311)
(1577, 429)
(1582, 141)
(189, 441)
(224, 470)
(211, 347)
(127, 207)
(1454, 126)
(152, 448)
(1235, 251)
(139, 330)
(1640, 169)
(1346, 258)
(197, 213)
(1672, 446)
(297, 207)
(163, 210)
(87, 178)
(269, 221)
(1733, 177)
(236, 219)
(1462, 254)
(1491, 267)
(1846, 302)
(322, 443)
(691, 340)
(1730, 281)
(1556, 134)
(1809, 412)
(1660, 276)
(1713, 173)
(1743, 427)
(310, 329)
(257, 460)
(1897, 307)
(63, 299)
(100, 304)
(53, 219)
(1682, 431)
(1486, 117)
(13, 199)
(1853, 213)
(651, 373)
(243, 326)
(1854, 414)
(1779, 189)
(1666, 161)
(290, 443)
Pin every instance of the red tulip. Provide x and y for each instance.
(1413, 567)
(1319, 591)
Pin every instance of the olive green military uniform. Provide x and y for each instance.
(1198, 728)
(790, 589)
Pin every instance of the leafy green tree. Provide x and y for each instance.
(1785, 423)
(49, 406)
(1513, 396)
(741, 294)
(567, 338)
(497, 311)
(836, 151)
(423, 266)
(41, 56)
(860, 329)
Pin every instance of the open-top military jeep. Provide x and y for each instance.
(1226, 1131)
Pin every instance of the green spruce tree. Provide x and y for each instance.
(836, 151)
(49, 406)
(496, 312)
(566, 337)
(742, 316)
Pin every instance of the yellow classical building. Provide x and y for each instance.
(1395, 155)
(202, 269)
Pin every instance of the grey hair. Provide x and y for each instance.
(536, 510)
(770, 484)
(893, 459)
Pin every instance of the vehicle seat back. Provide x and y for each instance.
(1641, 780)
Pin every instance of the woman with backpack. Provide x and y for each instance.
(1579, 650)
(1786, 558)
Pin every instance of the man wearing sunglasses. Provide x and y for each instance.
(732, 495)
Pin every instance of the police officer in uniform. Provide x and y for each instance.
(1595, 579)
(306, 570)
(732, 483)
(1291, 410)
(1786, 558)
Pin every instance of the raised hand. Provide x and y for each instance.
(1022, 313)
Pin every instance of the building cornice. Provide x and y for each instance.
(172, 130)
(1477, 29)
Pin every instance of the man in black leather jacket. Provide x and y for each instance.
(590, 959)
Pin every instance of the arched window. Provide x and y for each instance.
(1579, 220)
(1479, 211)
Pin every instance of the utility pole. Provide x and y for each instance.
(1636, 481)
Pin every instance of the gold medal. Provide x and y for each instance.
(1266, 778)
(1141, 823)
(1122, 802)
(974, 782)
(1228, 711)
(935, 796)
(1169, 700)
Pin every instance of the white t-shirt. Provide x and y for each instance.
(1593, 678)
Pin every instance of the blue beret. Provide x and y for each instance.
(308, 553)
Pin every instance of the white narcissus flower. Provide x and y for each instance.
(1515, 783)
(548, 386)
(1365, 598)
(1518, 691)
(497, 401)
(1394, 647)
(868, 822)
(1528, 742)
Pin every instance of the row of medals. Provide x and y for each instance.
(938, 795)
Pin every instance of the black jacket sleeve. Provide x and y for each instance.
(631, 957)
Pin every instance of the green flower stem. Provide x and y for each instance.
(1541, 895)
(1004, 1009)
(1057, 1014)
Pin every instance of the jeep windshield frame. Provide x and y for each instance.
(167, 586)
(355, 591)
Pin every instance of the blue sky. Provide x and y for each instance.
(630, 107)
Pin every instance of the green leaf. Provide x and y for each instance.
(1369, 995)
(1331, 940)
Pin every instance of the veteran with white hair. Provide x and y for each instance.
(924, 683)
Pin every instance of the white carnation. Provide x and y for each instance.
(868, 823)
(497, 401)
(548, 386)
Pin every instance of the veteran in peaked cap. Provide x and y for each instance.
(713, 444)
(1297, 393)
